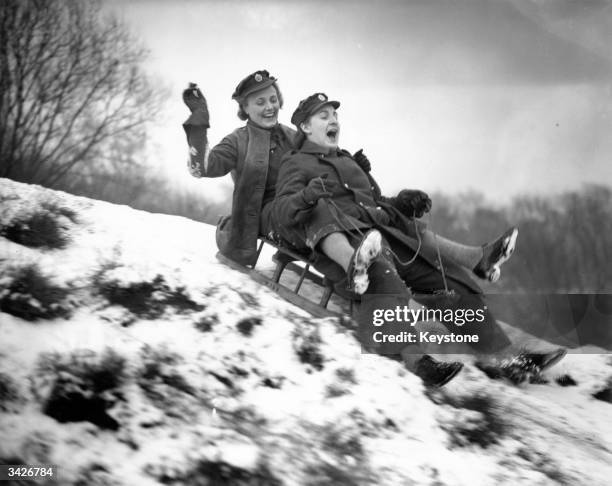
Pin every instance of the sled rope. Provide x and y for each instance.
(435, 235)
(336, 213)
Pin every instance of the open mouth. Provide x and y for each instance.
(269, 116)
(332, 134)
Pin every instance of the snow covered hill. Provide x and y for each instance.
(130, 356)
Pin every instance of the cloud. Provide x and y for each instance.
(474, 42)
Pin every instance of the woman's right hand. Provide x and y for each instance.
(194, 99)
(316, 189)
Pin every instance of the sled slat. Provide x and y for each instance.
(284, 292)
(301, 280)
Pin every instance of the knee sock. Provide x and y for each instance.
(465, 255)
(337, 247)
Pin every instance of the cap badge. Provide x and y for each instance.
(258, 78)
(322, 97)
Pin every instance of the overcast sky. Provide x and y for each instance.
(501, 96)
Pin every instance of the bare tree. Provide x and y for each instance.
(71, 83)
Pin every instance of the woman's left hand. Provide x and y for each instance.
(362, 160)
(413, 203)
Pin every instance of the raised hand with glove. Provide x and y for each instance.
(195, 128)
(195, 101)
(412, 202)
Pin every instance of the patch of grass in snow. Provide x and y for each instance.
(245, 419)
(343, 460)
(207, 472)
(158, 368)
(248, 299)
(245, 326)
(84, 385)
(206, 323)
(147, 300)
(13, 459)
(545, 464)
(96, 474)
(27, 293)
(483, 428)
(605, 393)
(54, 207)
(326, 474)
(166, 387)
(343, 443)
(306, 340)
(9, 393)
(346, 375)
(345, 378)
(42, 228)
(335, 390)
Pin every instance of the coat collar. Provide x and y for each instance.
(255, 126)
(309, 147)
(288, 133)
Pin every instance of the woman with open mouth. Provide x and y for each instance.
(328, 202)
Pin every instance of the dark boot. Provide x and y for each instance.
(436, 373)
(495, 254)
(522, 367)
(545, 360)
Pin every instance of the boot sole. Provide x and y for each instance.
(507, 251)
(369, 248)
(555, 357)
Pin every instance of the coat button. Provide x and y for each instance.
(346, 185)
(378, 207)
(361, 204)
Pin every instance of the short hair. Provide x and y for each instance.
(299, 139)
(241, 101)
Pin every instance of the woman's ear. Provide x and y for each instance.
(305, 127)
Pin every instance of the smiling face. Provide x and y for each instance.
(262, 107)
(323, 127)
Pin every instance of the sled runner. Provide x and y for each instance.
(286, 259)
(300, 266)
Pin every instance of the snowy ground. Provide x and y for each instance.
(162, 366)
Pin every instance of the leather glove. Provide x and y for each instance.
(413, 203)
(195, 101)
(362, 160)
(318, 188)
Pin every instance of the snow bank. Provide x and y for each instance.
(169, 368)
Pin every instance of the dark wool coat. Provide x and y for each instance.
(245, 153)
(357, 203)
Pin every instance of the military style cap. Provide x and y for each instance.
(253, 82)
(310, 106)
